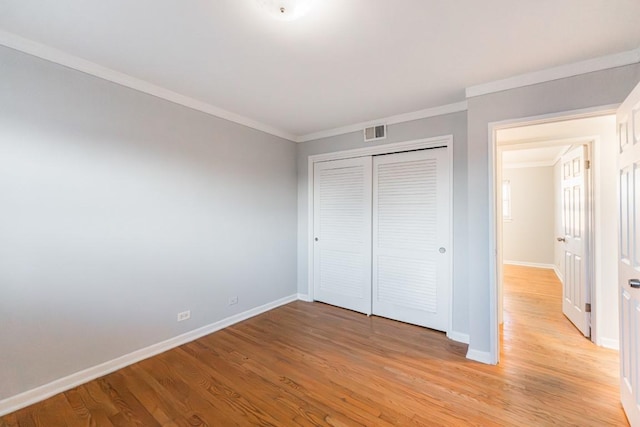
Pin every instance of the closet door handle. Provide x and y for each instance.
(634, 283)
(561, 239)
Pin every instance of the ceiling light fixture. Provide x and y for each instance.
(286, 10)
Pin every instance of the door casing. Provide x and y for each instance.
(493, 127)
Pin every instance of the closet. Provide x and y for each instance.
(381, 230)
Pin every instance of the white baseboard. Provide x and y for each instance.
(558, 273)
(60, 385)
(458, 336)
(304, 297)
(529, 264)
(609, 343)
(481, 356)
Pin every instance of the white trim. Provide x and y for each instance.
(522, 165)
(529, 264)
(582, 113)
(391, 120)
(577, 68)
(310, 227)
(451, 247)
(481, 356)
(559, 274)
(609, 343)
(48, 53)
(492, 357)
(13, 41)
(591, 233)
(419, 144)
(458, 336)
(518, 144)
(397, 147)
(305, 298)
(493, 127)
(60, 385)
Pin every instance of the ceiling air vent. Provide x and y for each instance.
(375, 132)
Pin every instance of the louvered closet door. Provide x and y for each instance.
(411, 277)
(342, 233)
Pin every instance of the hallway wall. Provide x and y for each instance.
(528, 235)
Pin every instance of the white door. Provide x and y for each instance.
(342, 233)
(411, 248)
(575, 292)
(628, 119)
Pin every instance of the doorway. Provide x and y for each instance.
(549, 141)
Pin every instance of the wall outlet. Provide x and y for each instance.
(233, 300)
(184, 315)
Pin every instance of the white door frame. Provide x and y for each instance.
(571, 141)
(493, 127)
(418, 144)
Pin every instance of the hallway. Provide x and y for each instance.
(541, 342)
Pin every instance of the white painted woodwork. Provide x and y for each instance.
(628, 123)
(230, 58)
(575, 292)
(411, 262)
(342, 233)
(378, 234)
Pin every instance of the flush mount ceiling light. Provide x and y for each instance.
(286, 10)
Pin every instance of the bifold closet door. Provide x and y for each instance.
(411, 262)
(342, 233)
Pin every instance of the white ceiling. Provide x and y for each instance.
(542, 156)
(347, 61)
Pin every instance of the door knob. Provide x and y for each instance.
(634, 283)
(561, 239)
(316, 239)
(442, 250)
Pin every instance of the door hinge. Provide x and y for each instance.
(587, 164)
(587, 307)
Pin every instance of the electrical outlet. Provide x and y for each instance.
(184, 315)
(233, 300)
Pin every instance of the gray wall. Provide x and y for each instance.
(450, 124)
(588, 90)
(529, 236)
(117, 211)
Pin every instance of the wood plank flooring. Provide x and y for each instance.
(311, 364)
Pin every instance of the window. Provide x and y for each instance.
(506, 200)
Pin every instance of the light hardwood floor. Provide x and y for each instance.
(313, 364)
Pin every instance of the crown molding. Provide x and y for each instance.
(569, 70)
(51, 54)
(542, 142)
(521, 165)
(391, 120)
